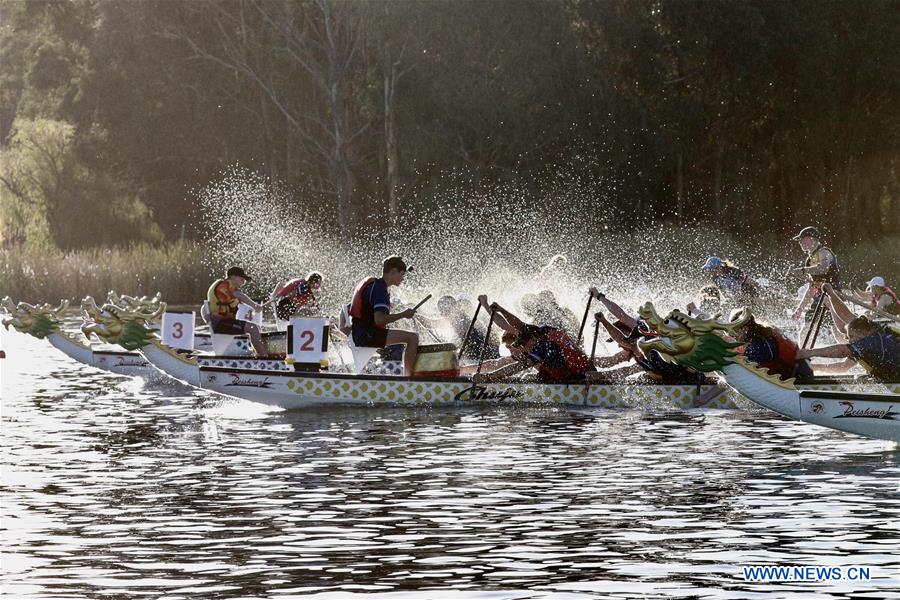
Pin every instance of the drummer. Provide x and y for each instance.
(370, 312)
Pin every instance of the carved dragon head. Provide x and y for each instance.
(117, 325)
(691, 341)
(142, 303)
(38, 321)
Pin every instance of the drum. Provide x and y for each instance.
(436, 360)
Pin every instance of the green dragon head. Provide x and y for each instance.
(38, 321)
(690, 341)
(117, 325)
(134, 335)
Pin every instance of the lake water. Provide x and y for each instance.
(120, 488)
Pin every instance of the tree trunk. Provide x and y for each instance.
(391, 152)
(679, 186)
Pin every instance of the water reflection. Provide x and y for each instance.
(117, 488)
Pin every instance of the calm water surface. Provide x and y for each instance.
(119, 488)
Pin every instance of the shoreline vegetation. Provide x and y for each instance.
(177, 270)
(181, 272)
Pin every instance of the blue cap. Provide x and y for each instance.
(713, 262)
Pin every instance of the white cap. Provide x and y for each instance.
(876, 282)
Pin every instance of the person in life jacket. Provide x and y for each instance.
(881, 297)
(819, 268)
(296, 297)
(731, 281)
(555, 355)
(370, 313)
(770, 349)
(223, 298)
(873, 347)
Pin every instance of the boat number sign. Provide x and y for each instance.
(245, 313)
(178, 330)
(308, 339)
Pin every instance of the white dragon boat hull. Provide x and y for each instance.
(286, 388)
(134, 364)
(696, 343)
(873, 415)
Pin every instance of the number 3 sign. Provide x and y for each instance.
(178, 330)
(307, 340)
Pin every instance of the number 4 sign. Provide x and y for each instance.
(245, 313)
(178, 330)
(307, 340)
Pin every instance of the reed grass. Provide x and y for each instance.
(176, 270)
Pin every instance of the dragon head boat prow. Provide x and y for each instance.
(117, 325)
(142, 303)
(37, 320)
(692, 341)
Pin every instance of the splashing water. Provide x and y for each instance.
(472, 241)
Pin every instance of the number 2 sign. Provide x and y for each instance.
(178, 330)
(308, 339)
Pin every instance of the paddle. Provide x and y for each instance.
(424, 300)
(596, 332)
(587, 309)
(421, 321)
(816, 322)
(469, 331)
(487, 337)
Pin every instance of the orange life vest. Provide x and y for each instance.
(222, 302)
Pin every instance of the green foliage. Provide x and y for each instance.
(48, 198)
(701, 111)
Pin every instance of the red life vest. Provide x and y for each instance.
(293, 291)
(576, 361)
(358, 306)
(783, 364)
(890, 293)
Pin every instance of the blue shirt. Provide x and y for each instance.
(547, 353)
(881, 352)
(761, 351)
(376, 296)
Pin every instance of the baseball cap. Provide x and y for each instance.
(713, 262)
(877, 281)
(239, 272)
(811, 232)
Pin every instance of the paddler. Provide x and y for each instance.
(370, 313)
(731, 281)
(223, 298)
(881, 297)
(820, 267)
(296, 297)
(554, 354)
(769, 348)
(874, 347)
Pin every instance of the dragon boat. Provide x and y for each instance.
(275, 383)
(852, 408)
(106, 323)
